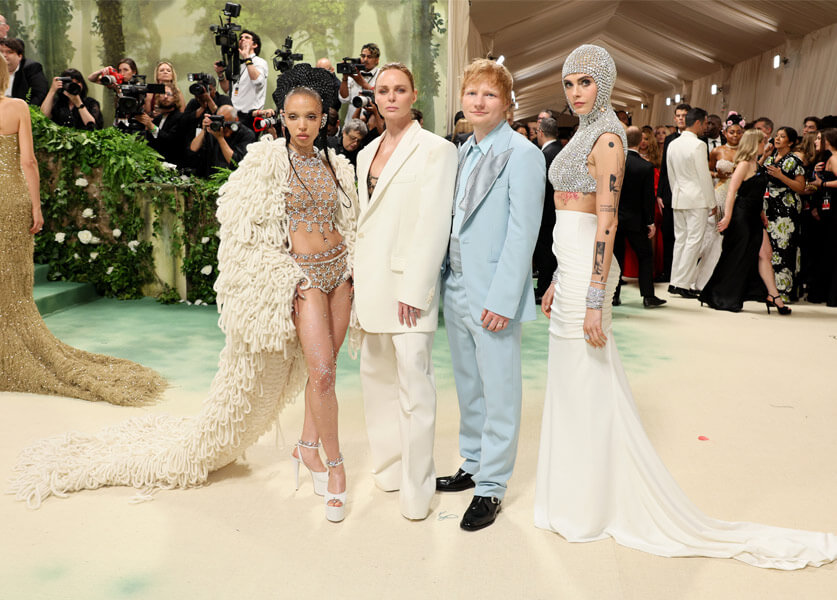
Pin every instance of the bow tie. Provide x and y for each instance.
(366, 73)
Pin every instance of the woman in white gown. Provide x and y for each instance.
(598, 474)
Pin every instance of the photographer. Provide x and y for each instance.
(67, 103)
(349, 141)
(219, 144)
(168, 131)
(27, 80)
(249, 92)
(126, 68)
(364, 78)
(205, 102)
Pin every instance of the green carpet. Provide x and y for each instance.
(182, 342)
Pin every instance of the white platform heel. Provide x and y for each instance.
(335, 514)
(318, 478)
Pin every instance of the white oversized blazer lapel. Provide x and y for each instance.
(402, 152)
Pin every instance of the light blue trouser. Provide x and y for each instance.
(486, 366)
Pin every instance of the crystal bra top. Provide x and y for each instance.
(315, 203)
(569, 172)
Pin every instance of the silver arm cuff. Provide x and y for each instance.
(595, 298)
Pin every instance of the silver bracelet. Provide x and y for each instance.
(595, 298)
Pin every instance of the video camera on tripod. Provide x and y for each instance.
(226, 36)
(284, 59)
(130, 98)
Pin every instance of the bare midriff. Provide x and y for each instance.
(576, 201)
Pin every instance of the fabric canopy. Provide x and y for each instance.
(663, 48)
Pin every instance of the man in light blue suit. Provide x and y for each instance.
(488, 289)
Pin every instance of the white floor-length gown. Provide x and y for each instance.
(598, 474)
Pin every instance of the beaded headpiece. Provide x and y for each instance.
(596, 62)
(303, 75)
(569, 172)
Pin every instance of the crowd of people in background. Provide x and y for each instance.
(666, 238)
(675, 231)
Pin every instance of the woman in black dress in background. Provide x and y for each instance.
(744, 270)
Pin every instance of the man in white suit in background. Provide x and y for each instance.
(692, 201)
(403, 232)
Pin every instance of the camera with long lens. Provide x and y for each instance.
(130, 98)
(217, 123)
(70, 86)
(110, 76)
(226, 36)
(349, 66)
(200, 83)
(284, 58)
(363, 99)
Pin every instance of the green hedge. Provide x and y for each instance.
(92, 187)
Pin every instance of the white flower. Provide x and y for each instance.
(184, 177)
(117, 233)
(132, 245)
(95, 240)
(76, 256)
(218, 233)
(168, 165)
(198, 302)
(82, 182)
(204, 240)
(60, 237)
(94, 255)
(87, 213)
(85, 237)
(109, 271)
(207, 270)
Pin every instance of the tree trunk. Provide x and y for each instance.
(424, 60)
(110, 28)
(53, 43)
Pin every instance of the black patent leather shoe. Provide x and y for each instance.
(652, 302)
(481, 513)
(683, 292)
(455, 483)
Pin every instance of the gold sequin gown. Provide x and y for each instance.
(31, 358)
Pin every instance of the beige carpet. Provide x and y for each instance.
(760, 388)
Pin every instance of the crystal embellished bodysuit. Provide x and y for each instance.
(311, 207)
(569, 171)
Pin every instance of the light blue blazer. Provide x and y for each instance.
(498, 233)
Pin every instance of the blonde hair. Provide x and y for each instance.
(654, 154)
(483, 69)
(748, 147)
(397, 66)
(178, 95)
(4, 74)
(806, 147)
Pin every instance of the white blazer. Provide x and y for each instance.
(403, 231)
(688, 173)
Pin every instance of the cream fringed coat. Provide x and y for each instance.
(261, 367)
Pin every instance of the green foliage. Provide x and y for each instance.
(93, 184)
(9, 9)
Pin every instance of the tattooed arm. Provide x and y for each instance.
(608, 160)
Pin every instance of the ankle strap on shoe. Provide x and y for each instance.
(305, 444)
(335, 463)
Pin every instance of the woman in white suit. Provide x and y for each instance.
(406, 183)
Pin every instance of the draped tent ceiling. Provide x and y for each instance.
(658, 45)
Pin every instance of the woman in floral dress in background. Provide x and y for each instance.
(782, 207)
